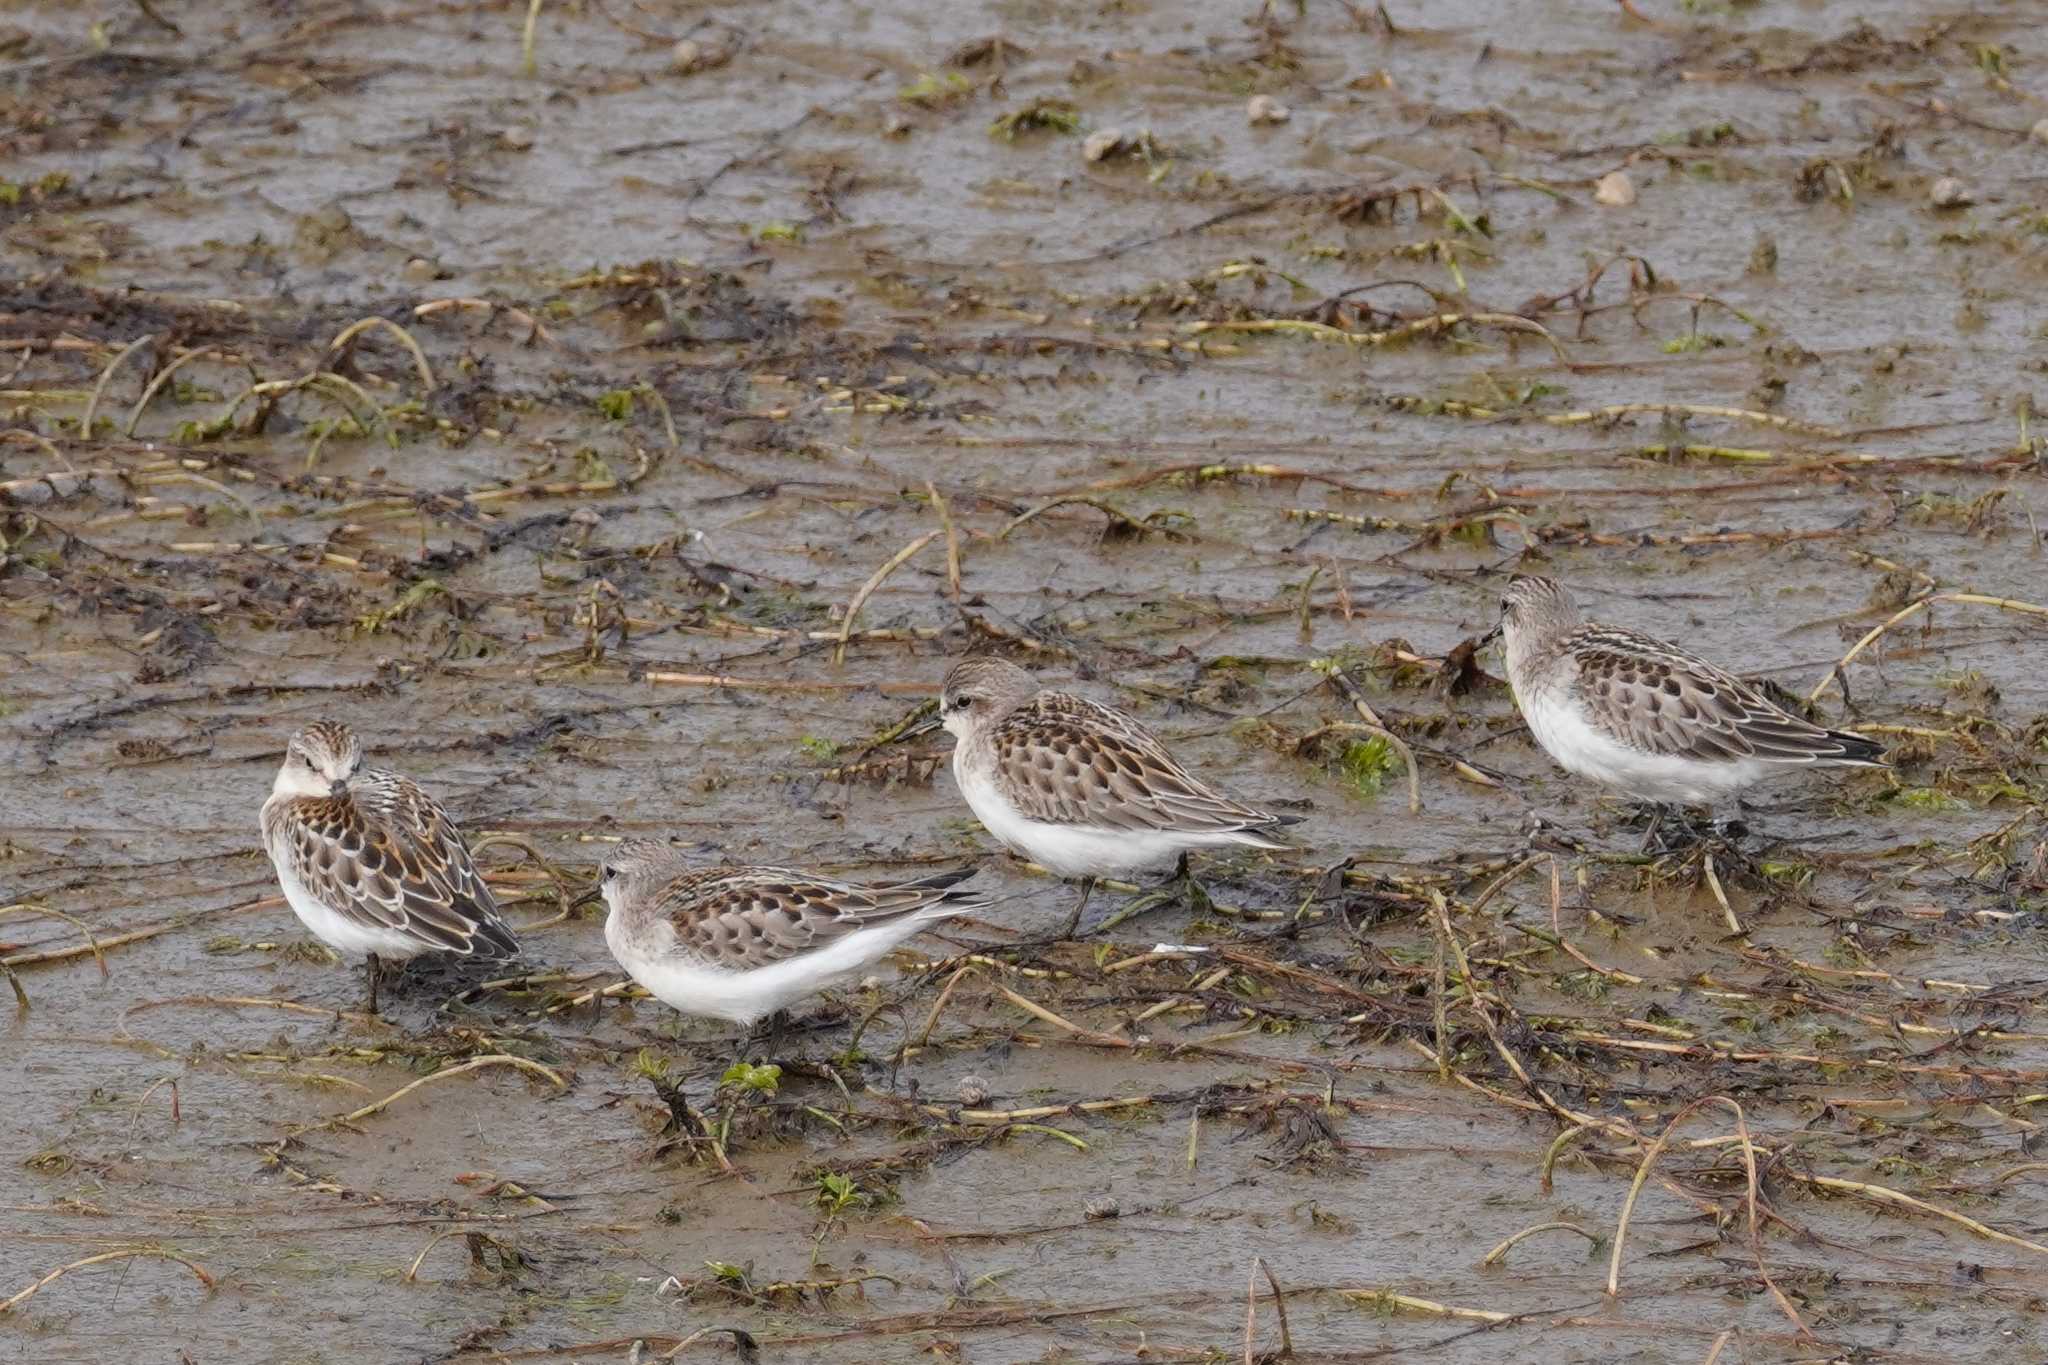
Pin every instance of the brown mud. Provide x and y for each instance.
(538, 395)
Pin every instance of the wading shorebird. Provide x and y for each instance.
(744, 943)
(1653, 721)
(1082, 789)
(370, 863)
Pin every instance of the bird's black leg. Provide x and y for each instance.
(1189, 891)
(1179, 886)
(1074, 920)
(376, 969)
(1653, 832)
(1542, 834)
(767, 1034)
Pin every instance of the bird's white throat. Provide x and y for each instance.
(296, 780)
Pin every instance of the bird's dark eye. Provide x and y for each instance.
(607, 873)
(963, 703)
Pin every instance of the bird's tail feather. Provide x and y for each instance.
(494, 939)
(1266, 834)
(937, 881)
(1858, 750)
(952, 899)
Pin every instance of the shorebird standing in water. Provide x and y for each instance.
(1646, 718)
(744, 943)
(370, 863)
(1082, 789)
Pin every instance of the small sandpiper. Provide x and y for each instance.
(370, 863)
(744, 943)
(1082, 789)
(1651, 720)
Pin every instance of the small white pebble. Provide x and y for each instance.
(517, 139)
(419, 270)
(2039, 132)
(684, 56)
(1950, 193)
(585, 516)
(1615, 190)
(972, 1090)
(1101, 143)
(1108, 1206)
(871, 983)
(1266, 109)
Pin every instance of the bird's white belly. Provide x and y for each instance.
(338, 932)
(1074, 850)
(744, 997)
(1561, 727)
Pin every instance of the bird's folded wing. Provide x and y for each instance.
(748, 917)
(388, 857)
(1064, 760)
(1659, 699)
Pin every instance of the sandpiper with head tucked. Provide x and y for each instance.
(743, 943)
(1653, 721)
(1082, 789)
(370, 863)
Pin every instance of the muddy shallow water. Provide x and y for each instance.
(707, 340)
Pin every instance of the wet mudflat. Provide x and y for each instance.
(538, 393)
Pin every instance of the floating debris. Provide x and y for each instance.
(1264, 109)
(1950, 193)
(1101, 143)
(1615, 190)
(1056, 116)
